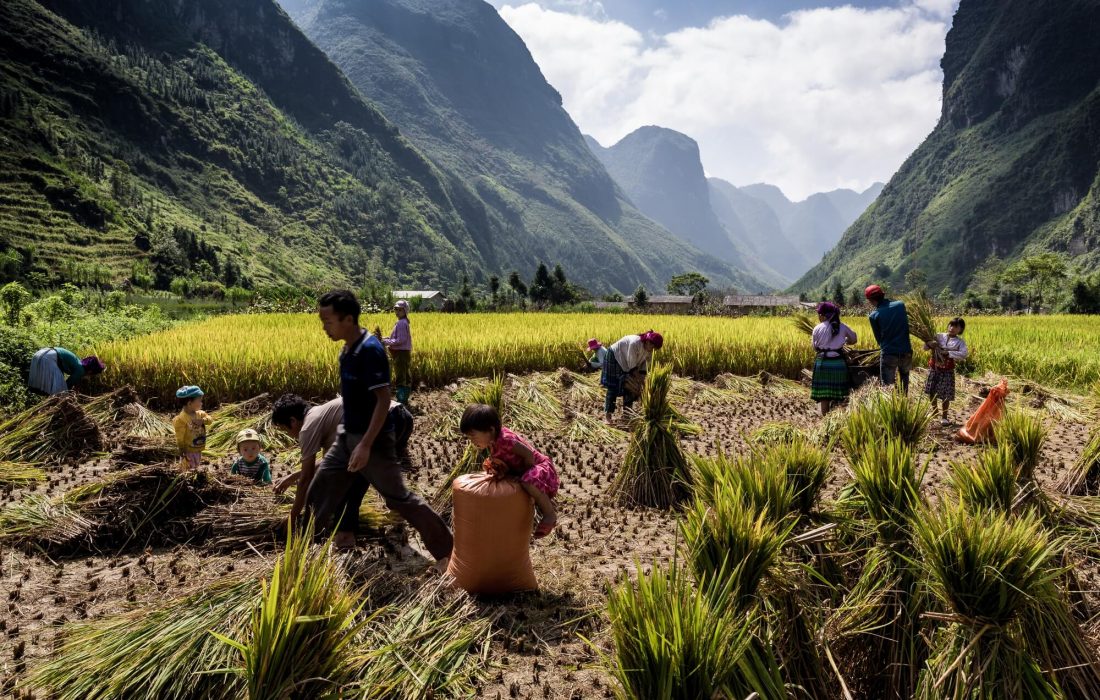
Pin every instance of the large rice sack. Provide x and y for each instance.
(980, 426)
(492, 532)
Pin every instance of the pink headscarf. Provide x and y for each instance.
(654, 338)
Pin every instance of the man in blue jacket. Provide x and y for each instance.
(890, 324)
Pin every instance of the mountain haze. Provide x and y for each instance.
(461, 85)
(1012, 166)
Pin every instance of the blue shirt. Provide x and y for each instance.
(364, 367)
(890, 324)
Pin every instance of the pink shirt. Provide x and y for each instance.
(401, 337)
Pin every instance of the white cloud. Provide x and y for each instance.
(831, 97)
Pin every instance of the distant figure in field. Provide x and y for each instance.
(946, 349)
(364, 452)
(830, 383)
(400, 345)
(890, 324)
(625, 367)
(50, 365)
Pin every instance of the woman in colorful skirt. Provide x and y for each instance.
(830, 382)
(946, 349)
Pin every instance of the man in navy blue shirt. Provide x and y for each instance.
(890, 324)
(364, 453)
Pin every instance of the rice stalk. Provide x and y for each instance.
(806, 467)
(41, 521)
(1083, 479)
(111, 408)
(988, 483)
(775, 433)
(883, 416)
(672, 640)
(432, 644)
(532, 407)
(804, 323)
(298, 640)
(20, 473)
(51, 432)
(1024, 435)
(655, 471)
(922, 319)
(584, 428)
(757, 483)
(146, 424)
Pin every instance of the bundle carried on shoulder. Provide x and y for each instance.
(979, 428)
(492, 535)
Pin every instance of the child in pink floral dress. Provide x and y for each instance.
(511, 456)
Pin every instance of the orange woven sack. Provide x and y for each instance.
(492, 526)
(980, 426)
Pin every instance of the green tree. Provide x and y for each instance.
(15, 298)
(494, 288)
(915, 280)
(1036, 275)
(519, 289)
(838, 293)
(641, 297)
(542, 285)
(688, 284)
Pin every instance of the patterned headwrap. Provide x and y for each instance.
(831, 313)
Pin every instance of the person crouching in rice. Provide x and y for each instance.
(830, 382)
(947, 349)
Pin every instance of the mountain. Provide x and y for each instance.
(462, 87)
(660, 171)
(1012, 166)
(755, 223)
(164, 139)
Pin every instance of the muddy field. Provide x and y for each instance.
(539, 646)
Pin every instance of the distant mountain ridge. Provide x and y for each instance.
(461, 85)
(1012, 167)
(755, 227)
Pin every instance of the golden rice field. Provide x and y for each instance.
(236, 357)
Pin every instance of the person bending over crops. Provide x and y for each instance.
(190, 425)
(364, 452)
(251, 462)
(512, 457)
(624, 369)
(946, 349)
(400, 345)
(50, 365)
(830, 382)
(890, 324)
(598, 358)
(314, 427)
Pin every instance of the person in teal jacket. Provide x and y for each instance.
(49, 368)
(890, 324)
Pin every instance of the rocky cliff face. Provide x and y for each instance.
(1012, 165)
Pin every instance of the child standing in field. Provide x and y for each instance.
(190, 425)
(511, 456)
(946, 349)
(251, 462)
(400, 345)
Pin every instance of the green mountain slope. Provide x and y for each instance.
(208, 139)
(462, 86)
(753, 222)
(1012, 165)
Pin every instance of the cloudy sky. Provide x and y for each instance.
(809, 95)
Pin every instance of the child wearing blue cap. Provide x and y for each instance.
(190, 426)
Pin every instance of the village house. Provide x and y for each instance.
(740, 304)
(429, 300)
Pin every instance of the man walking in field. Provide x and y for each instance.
(890, 324)
(364, 453)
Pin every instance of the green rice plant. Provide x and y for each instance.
(159, 651)
(672, 640)
(757, 482)
(299, 638)
(987, 483)
(730, 536)
(877, 626)
(1024, 435)
(991, 571)
(885, 416)
(806, 467)
(20, 473)
(655, 471)
(430, 644)
(1083, 479)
